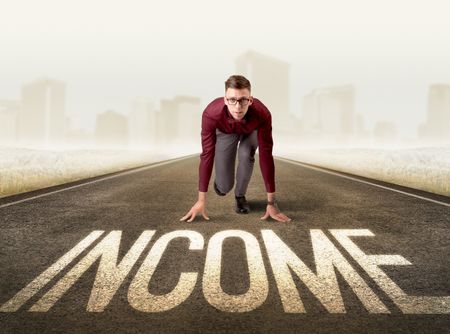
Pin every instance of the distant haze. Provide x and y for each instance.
(110, 52)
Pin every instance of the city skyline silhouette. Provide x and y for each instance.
(328, 115)
(143, 50)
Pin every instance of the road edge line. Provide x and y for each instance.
(100, 178)
(323, 170)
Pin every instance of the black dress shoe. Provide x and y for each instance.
(218, 192)
(242, 205)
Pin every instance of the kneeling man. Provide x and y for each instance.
(236, 124)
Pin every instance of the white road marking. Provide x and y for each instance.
(361, 181)
(98, 180)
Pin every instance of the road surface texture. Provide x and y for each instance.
(325, 283)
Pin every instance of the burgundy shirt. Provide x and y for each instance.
(217, 116)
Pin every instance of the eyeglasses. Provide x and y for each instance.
(242, 101)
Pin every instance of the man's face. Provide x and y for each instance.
(238, 101)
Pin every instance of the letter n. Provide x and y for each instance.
(109, 275)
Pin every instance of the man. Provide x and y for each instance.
(237, 118)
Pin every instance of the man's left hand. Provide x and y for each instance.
(276, 214)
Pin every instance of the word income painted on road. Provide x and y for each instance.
(284, 263)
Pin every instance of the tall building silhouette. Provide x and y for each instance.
(437, 125)
(41, 120)
(189, 118)
(330, 113)
(9, 110)
(179, 120)
(142, 123)
(167, 121)
(270, 83)
(111, 130)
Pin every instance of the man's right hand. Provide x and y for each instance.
(197, 208)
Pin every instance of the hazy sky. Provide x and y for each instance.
(111, 51)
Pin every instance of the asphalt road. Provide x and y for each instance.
(232, 292)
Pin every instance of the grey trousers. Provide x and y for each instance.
(225, 161)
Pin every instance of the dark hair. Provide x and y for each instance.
(237, 82)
